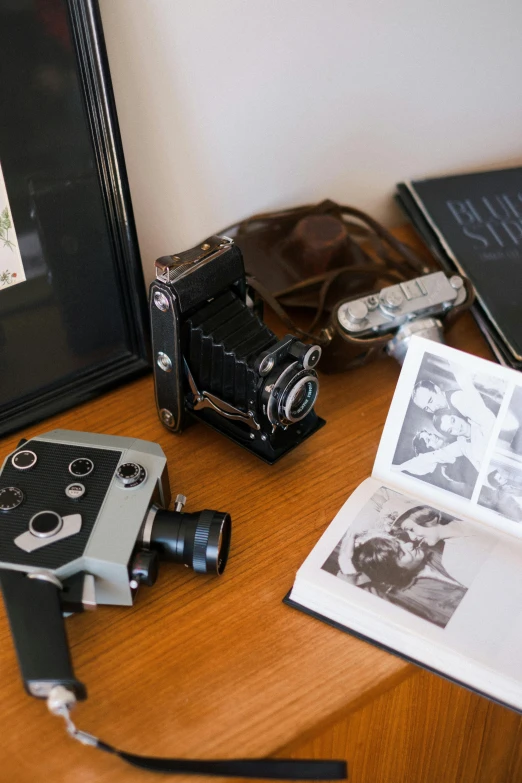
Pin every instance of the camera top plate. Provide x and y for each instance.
(172, 268)
(430, 295)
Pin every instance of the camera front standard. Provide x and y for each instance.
(216, 360)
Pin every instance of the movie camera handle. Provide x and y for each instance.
(34, 610)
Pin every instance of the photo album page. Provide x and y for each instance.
(453, 435)
(425, 557)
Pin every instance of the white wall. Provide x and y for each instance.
(228, 107)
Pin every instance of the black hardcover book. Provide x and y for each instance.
(492, 335)
(473, 223)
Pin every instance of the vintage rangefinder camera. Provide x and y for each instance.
(84, 521)
(215, 359)
(385, 321)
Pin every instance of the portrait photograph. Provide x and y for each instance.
(502, 490)
(448, 425)
(411, 555)
(509, 441)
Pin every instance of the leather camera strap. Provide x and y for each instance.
(279, 310)
(327, 280)
(367, 228)
(371, 257)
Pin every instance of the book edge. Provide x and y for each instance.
(287, 600)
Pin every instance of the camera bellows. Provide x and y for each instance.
(223, 341)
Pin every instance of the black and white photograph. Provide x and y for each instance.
(509, 441)
(448, 425)
(502, 490)
(411, 555)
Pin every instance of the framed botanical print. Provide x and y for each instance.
(73, 316)
(11, 265)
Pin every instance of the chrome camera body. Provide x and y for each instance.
(384, 321)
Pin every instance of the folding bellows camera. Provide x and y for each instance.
(216, 360)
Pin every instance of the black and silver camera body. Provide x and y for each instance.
(216, 360)
(384, 321)
(84, 521)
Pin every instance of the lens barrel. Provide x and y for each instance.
(298, 398)
(200, 540)
(289, 394)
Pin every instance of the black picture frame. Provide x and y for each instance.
(78, 325)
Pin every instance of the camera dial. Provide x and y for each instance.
(130, 474)
(24, 460)
(10, 498)
(308, 355)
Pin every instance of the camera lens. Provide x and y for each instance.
(298, 397)
(289, 394)
(200, 540)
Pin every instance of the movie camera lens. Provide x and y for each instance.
(200, 540)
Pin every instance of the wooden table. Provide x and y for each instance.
(219, 667)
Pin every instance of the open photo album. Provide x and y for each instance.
(425, 557)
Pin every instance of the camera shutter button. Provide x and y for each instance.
(45, 524)
(392, 299)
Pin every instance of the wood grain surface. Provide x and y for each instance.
(218, 667)
(426, 730)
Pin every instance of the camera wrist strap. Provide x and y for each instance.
(267, 769)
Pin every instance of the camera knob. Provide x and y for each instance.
(391, 299)
(24, 460)
(81, 467)
(456, 282)
(10, 498)
(356, 312)
(45, 524)
(308, 355)
(145, 566)
(179, 503)
(130, 474)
